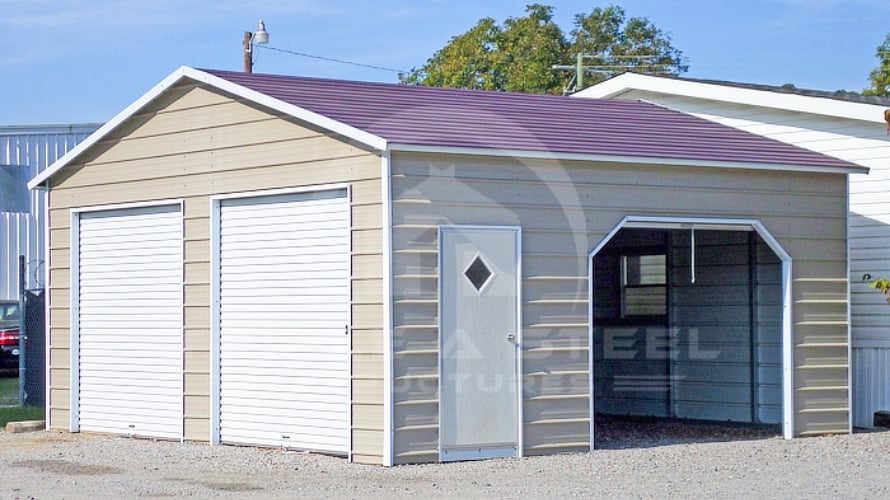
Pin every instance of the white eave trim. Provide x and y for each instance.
(637, 160)
(360, 136)
(628, 82)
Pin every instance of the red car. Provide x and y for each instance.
(10, 317)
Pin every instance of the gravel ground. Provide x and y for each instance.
(754, 464)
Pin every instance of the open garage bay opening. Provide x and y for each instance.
(687, 325)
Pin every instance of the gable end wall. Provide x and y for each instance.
(193, 143)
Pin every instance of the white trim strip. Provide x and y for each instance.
(388, 396)
(727, 93)
(520, 379)
(849, 321)
(74, 312)
(282, 191)
(215, 204)
(128, 206)
(637, 160)
(47, 305)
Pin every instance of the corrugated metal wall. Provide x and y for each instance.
(34, 148)
(871, 386)
(728, 364)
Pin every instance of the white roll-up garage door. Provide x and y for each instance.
(284, 313)
(129, 333)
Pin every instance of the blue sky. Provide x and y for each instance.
(70, 61)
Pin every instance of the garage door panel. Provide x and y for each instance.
(284, 313)
(295, 376)
(308, 421)
(316, 336)
(130, 322)
(137, 401)
(308, 352)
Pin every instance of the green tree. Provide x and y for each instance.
(527, 49)
(518, 56)
(880, 76)
(614, 43)
(468, 61)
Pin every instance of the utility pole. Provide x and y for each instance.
(605, 68)
(260, 37)
(579, 71)
(248, 52)
(578, 68)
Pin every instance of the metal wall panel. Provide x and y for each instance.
(34, 148)
(14, 228)
(871, 385)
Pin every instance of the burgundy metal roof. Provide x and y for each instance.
(430, 116)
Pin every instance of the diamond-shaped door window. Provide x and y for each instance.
(478, 273)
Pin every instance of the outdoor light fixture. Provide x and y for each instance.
(260, 37)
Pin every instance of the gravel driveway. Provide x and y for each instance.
(60, 465)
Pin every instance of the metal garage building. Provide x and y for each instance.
(408, 274)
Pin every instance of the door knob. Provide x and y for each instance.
(511, 337)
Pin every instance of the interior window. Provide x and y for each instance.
(643, 285)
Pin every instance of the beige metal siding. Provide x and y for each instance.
(564, 210)
(192, 143)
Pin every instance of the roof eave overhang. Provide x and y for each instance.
(370, 140)
(628, 82)
(636, 160)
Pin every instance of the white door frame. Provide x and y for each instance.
(215, 213)
(74, 305)
(706, 224)
(518, 344)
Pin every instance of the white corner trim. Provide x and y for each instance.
(388, 397)
(47, 305)
(74, 333)
(636, 160)
(215, 204)
(629, 82)
(184, 72)
(850, 384)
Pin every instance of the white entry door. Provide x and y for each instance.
(479, 342)
(284, 366)
(127, 335)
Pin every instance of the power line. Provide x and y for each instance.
(331, 59)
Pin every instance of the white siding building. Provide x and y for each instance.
(850, 128)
